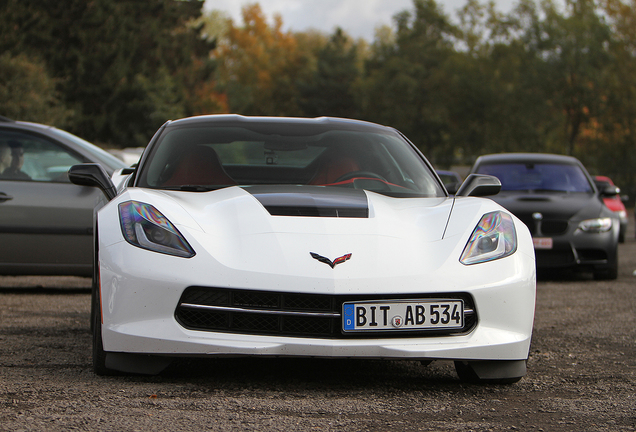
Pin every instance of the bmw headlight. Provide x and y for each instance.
(494, 237)
(144, 226)
(598, 225)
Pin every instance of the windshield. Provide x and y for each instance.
(102, 155)
(528, 176)
(206, 157)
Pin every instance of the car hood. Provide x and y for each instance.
(552, 205)
(312, 210)
(402, 241)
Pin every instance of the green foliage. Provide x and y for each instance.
(115, 62)
(330, 90)
(28, 93)
(406, 84)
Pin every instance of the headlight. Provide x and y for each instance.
(596, 225)
(494, 237)
(144, 226)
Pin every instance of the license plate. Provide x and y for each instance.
(402, 315)
(542, 242)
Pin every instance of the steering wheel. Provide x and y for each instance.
(358, 174)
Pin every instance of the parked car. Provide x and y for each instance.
(451, 180)
(46, 222)
(557, 199)
(614, 202)
(324, 237)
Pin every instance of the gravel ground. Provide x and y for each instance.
(581, 374)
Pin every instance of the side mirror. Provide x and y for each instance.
(91, 174)
(479, 185)
(610, 191)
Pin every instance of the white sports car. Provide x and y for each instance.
(256, 236)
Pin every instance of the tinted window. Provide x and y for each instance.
(33, 158)
(214, 156)
(538, 176)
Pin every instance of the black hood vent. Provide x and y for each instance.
(535, 198)
(311, 201)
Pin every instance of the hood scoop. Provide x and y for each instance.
(534, 199)
(311, 201)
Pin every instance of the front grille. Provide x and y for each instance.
(554, 227)
(588, 255)
(290, 314)
(554, 258)
(549, 227)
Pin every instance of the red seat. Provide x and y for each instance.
(200, 166)
(333, 168)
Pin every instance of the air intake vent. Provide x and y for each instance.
(288, 314)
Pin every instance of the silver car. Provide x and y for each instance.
(46, 222)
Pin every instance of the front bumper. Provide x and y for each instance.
(577, 249)
(139, 302)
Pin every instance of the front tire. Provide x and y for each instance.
(94, 283)
(611, 272)
(99, 355)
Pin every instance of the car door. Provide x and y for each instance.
(46, 222)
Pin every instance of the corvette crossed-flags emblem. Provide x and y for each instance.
(327, 261)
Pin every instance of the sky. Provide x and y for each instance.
(358, 18)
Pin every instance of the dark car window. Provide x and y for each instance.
(33, 158)
(538, 176)
(214, 156)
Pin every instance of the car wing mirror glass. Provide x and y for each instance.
(479, 185)
(93, 175)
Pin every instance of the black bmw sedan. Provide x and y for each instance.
(557, 199)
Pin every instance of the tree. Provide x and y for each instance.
(28, 93)
(406, 80)
(611, 138)
(497, 100)
(575, 49)
(331, 90)
(260, 67)
(116, 62)
(202, 96)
